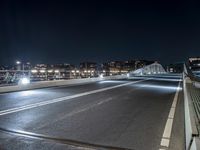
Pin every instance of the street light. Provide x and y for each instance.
(24, 81)
(128, 75)
(101, 76)
(18, 62)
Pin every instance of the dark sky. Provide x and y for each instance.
(55, 31)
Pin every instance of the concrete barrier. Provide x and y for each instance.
(45, 84)
(190, 125)
(195, 144)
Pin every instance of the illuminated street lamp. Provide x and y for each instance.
(128, 75)
(18, 62)
(101, 76)
(24, 81)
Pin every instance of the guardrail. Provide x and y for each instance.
(45, 84)
(192, 109)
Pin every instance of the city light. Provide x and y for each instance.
(101, 75)
(18, 62)
(128, 75)
(42, 71)
(24, 81)
(56, 71)
(34, 71)
(50, 71)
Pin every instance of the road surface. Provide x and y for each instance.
(112, 114)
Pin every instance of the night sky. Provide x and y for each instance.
(72, 31)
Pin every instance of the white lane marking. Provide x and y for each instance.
(39, 104)
(171, 113)
(74, 113)
(168, 126)
(88, 107)
(165, 142)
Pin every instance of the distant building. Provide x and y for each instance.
(21, 66)
(121, 67)
(63, 71)
(194, 63)
(129, 65)
(142, 63)
(112, 68)
(51, 72)
(88, 69)
(175, 68)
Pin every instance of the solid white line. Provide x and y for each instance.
(168, 126)
(39, 104)
(165, 142)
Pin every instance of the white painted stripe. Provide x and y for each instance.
(17, 109)
(168, 128)
(165, 141)
(171, 113)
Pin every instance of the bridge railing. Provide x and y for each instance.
(192, 109)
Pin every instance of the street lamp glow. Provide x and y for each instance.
(18, 62)
(24, 81)
(128, 75)
(101, 76)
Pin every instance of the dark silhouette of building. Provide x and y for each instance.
(88, 69)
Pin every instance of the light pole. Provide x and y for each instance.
(18, 63)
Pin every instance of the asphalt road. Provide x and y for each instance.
(127, 114)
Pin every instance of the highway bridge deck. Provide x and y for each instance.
(126, 114)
